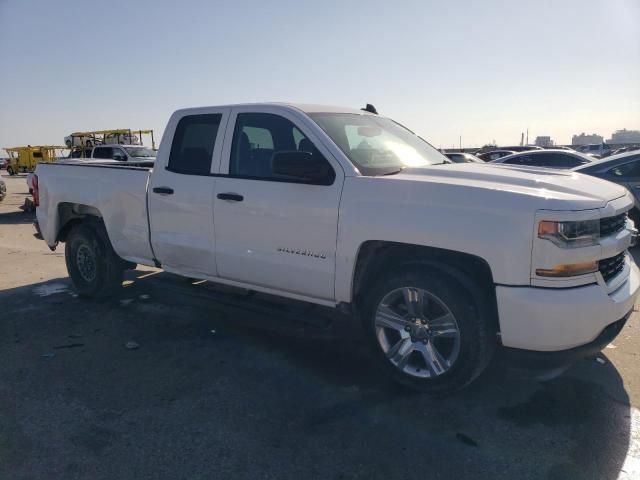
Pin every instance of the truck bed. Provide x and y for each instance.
(117, 192)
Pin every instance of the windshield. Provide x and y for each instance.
(377, 145)
(140, 152)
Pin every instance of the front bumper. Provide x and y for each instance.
(556, 319)
(532, 361)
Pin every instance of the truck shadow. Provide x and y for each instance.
(286, 376)
(17, 217)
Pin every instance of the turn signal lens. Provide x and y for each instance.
(568, 270)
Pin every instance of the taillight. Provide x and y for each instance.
(36, 192)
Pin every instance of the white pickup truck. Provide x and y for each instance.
(344, 208)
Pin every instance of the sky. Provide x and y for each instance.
(480, 70)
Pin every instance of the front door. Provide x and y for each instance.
(273, 231)
(181, 193)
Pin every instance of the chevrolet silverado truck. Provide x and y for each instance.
(443, 263)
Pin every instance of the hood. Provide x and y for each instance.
(556, 189)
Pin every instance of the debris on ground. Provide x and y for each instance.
(28, 206)
(145, 297)
(50, 289)
(611, 345)
(126, 301)
(68, 345)
(601, 360)
(131, 345)
(213, 332)
(467, 440)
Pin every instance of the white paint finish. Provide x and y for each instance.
(119, 194)
(182, 229)
(251, 234)
(550, 320)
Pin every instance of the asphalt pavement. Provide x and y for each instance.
(176, 379)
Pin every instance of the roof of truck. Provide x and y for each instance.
(305, 107)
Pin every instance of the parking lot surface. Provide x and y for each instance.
(180, 379)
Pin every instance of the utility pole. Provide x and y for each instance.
(527, 136)
(460, 142)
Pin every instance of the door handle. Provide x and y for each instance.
(163, 190)
(234, 197)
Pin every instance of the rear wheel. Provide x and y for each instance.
(10, 170)
(426, 329)
(95, 269)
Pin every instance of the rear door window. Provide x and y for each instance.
(193, 143)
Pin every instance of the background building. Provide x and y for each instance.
(584, 139)
(625, 136)
(544, 141)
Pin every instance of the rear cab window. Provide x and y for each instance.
(193, 144)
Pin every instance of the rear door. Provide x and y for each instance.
(181, 192)
(272, 231)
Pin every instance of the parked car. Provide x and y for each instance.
(623, 169)
(3, 190)
(114, 153)
(559, 147)
(625, 149)
(3, 163)
(494, 155)
(443, 263)
(562, 159)
(596, 150)
(522, 148)
(462, 157)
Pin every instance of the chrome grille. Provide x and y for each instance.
(610, 267)
(611, 225)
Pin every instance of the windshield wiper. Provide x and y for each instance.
(393, 172)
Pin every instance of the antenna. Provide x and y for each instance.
(370, 108)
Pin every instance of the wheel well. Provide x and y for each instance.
(71, 214)
(377, 256)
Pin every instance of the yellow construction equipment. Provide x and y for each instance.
(25, 159)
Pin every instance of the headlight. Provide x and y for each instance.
(582, 233)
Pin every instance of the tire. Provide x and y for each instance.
(95, 269)
(422, 330)
(3, 190)
(10, 171)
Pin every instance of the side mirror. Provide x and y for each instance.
(302, 166)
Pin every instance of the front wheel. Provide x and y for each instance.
(426, 329)
(10, 171)
(95, 269)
